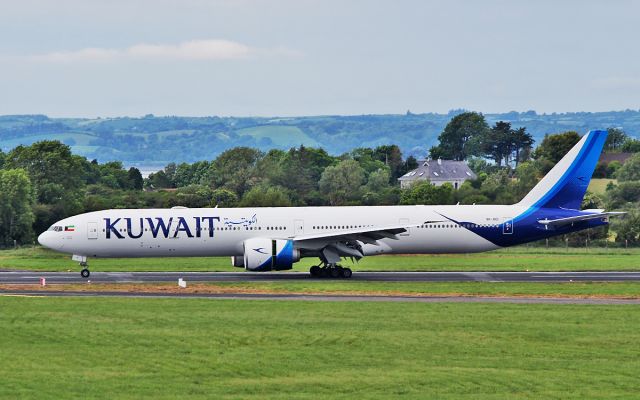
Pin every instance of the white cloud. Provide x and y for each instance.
(88, 54)
(208, 49)
(212, 49)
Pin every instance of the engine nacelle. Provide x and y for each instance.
(261, 254)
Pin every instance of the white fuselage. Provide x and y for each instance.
(222, 231)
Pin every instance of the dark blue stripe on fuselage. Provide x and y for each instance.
(529, 229)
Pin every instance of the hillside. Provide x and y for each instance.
(153, 140)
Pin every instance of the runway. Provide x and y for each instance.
(330, 298)
(31, 277)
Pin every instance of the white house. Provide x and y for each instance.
(438, 172)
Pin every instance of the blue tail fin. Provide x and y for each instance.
(565, 185)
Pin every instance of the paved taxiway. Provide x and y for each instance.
(19, 277)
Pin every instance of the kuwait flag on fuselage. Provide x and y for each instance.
(70, 228)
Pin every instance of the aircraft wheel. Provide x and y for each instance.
(335, 272)
(323, 272)
(314, 271)
(346, 273)
(85, 273)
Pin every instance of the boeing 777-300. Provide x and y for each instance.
(265, 239)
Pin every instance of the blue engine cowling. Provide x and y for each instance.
(261, 254)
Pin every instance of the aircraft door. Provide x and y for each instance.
(92, 230)
(507, 226)
(298, 226)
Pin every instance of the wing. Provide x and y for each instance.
(348, 242)
(578, 218)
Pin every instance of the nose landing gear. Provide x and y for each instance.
(85, 270)
(83, 263)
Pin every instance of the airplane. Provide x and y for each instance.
(274, 238)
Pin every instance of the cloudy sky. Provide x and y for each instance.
(88, 58)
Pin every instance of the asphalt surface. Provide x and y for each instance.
(31, 277)
(331, 298)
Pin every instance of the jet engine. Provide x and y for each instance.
(261, 254)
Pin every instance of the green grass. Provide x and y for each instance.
(513, 259)
(599, 186)
(81, 138)
(550, 289)
(95, 348)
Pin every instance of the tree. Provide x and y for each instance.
(223, 198)
(630, 170)
(16, 201)
(627, 228)
(391, 156)
(193, 196)
(235, 169)
(368, 159)
(56, 175)
(499, 187)
(135, 178)
(554, 147)
(521, 144)
(411, 164)
(426, 193)
(377, 190)
(158, 180)
(615, 139)
(192, 174)
(501, 143)
(269, 167)
(342, 182)
(631, 146)
(601, 170)
(260, 196)
(91, 172)
(494, 143)
(170, 171)
(456, 136)
(302, 168)
(625, 192)
(114, 176)
(527, 175)
(378, 180)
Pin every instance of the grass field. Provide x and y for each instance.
(108, 348)
(81, 138)
(610, 290)
(289, 136)
(513, 259)
(599, 186)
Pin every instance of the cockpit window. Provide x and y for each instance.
(55, 228)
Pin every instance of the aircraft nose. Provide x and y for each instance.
(46, 240)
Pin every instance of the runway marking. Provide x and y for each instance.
(483, 277)
(17, 277)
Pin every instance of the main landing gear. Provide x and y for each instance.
(333, 271)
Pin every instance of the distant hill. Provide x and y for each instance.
(154, 140)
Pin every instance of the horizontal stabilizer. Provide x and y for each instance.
(578, 218)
